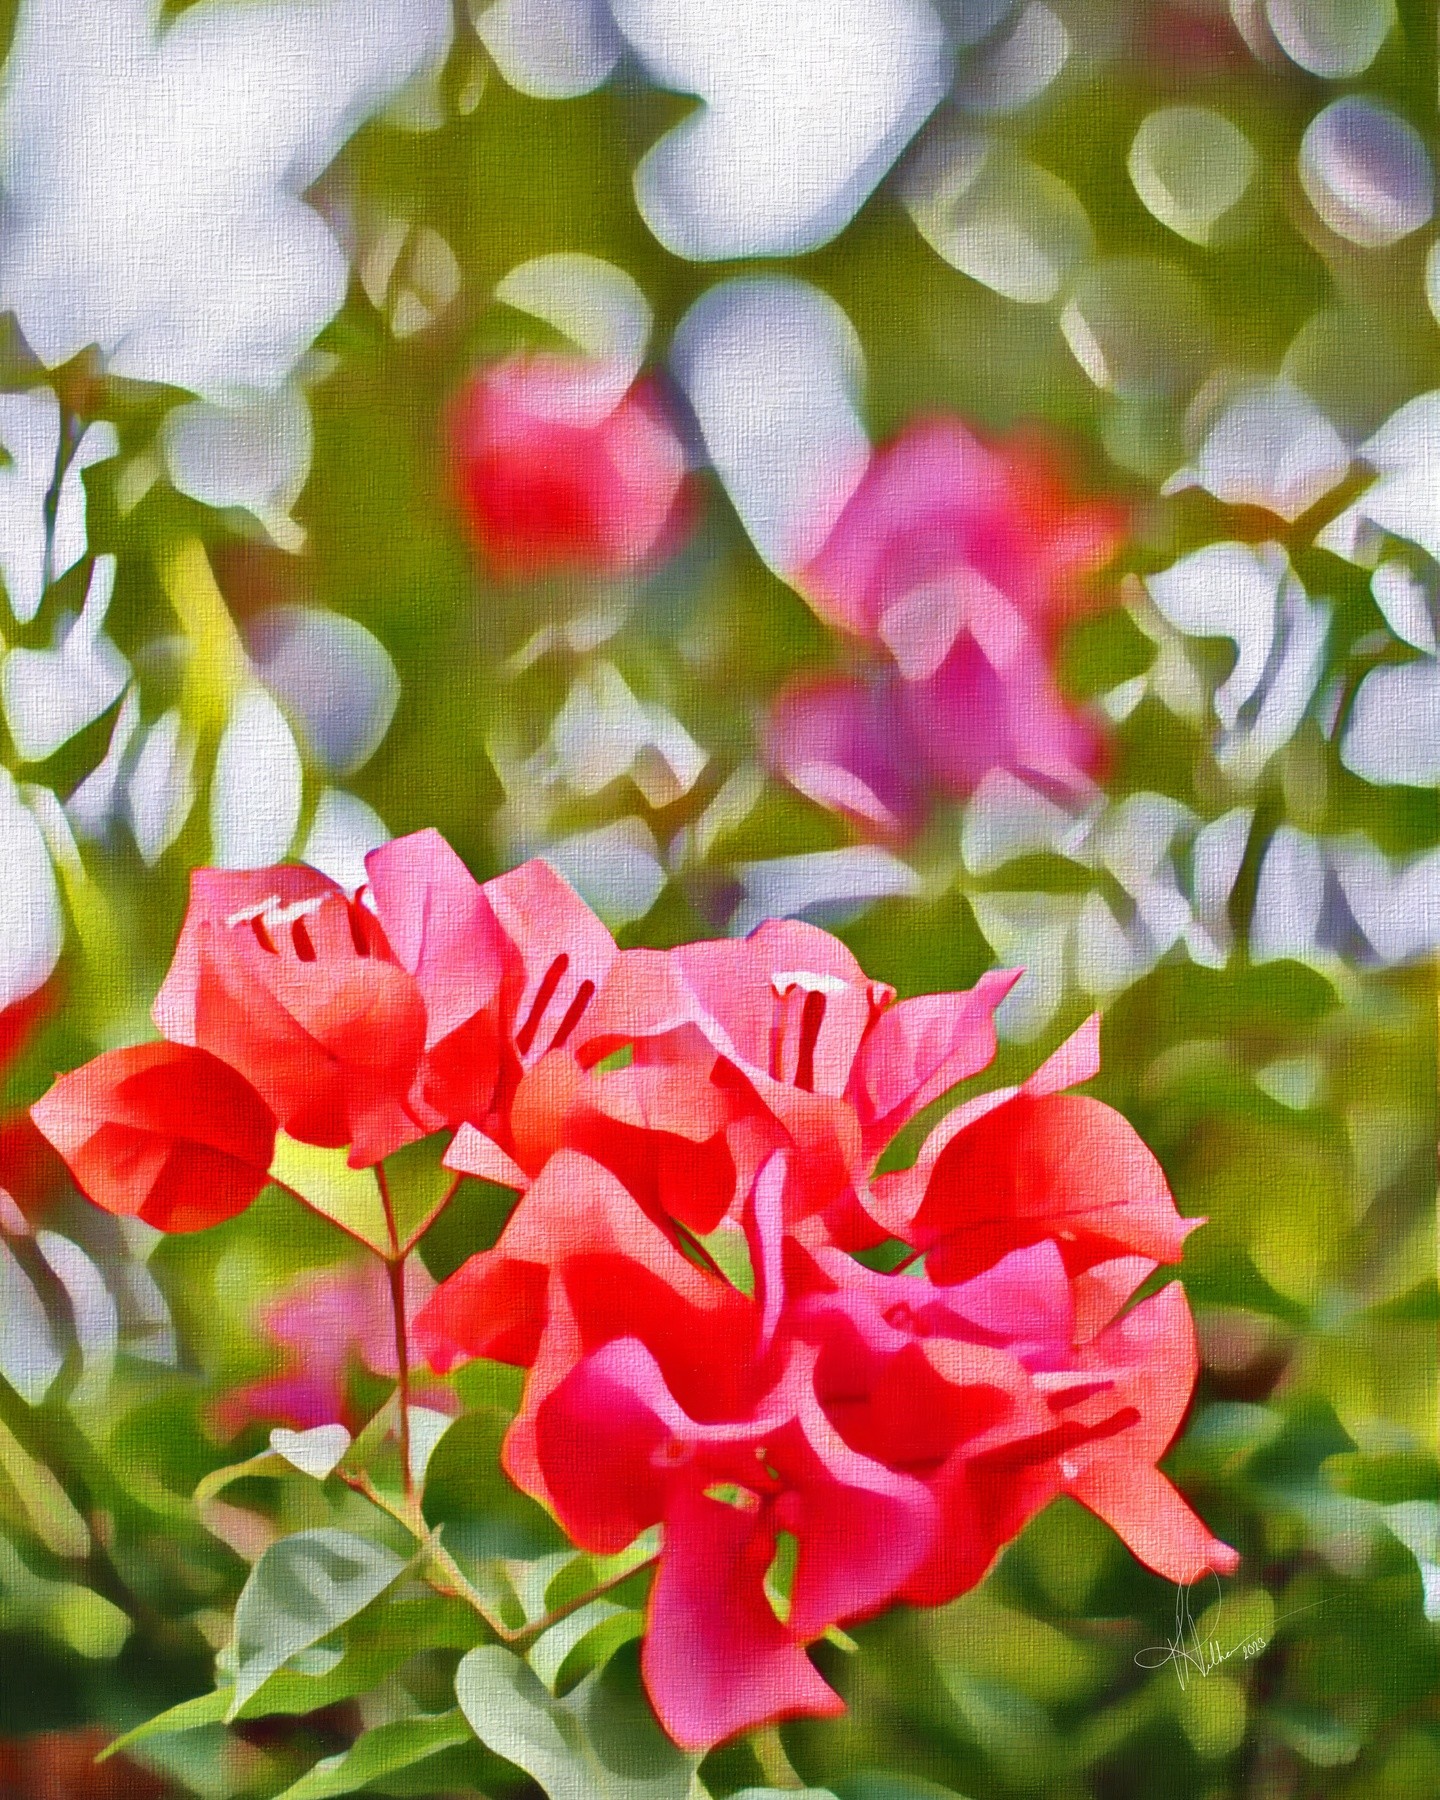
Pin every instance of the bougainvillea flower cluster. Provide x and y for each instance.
(951, 567)
(735, 1328)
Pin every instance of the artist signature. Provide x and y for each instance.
(1191, 1654)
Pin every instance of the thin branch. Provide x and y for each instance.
(775, 1765)
(395, 1270)
(456, 1582)
(522, 1639)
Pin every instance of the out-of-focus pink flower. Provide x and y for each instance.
(845, 744)
(325, 1327)
(557, 473)
(941, 529)
(953, 563)
(1190, 39)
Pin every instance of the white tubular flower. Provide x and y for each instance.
(152, 174)
(32, 928)
(773, 369)
(30, 434)
(806, 108)
(50, 695)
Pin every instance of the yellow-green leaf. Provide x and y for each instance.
(324, 1180)
(1211, 1710)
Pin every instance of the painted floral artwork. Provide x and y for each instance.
(719, 899)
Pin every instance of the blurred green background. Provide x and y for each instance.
(1289, 1092)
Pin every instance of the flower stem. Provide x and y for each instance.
(775, 1765)
(522, 1639)
(395, 1269)
(455, 1581)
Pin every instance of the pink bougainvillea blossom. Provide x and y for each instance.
(952, 566)
(291, 981)
(506, 972)
(816, 1058)
(163, 1133)
(620, 1454)
(555, 473)
(362, 1021)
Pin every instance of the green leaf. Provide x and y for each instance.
(1016, 1733)
(324, 1180)
(871, 1784)
(582, 1642)
(265, 1462)
(40, 1499)
(469, 1493)
(1417, 1525)
(87, 1621)
(1319, 1736)
(1389, 1477)
(377, 1642)
(301, 1589)
(419, 1186)
(351, 1198)
(728, 1246)
(204, 1709)
(1211, 1711)
(577, 1574)
(379, 1752)
(600, 1743)
(1242, 1623)
(595, 1649)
